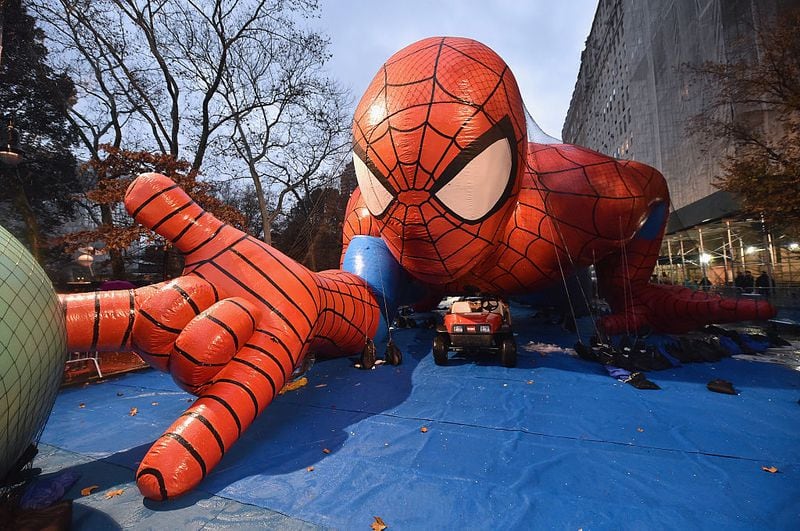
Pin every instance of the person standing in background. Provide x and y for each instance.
(764, 284)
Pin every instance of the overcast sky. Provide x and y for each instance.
(541, 40)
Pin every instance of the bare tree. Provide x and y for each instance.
(288, 120)
(203, 81)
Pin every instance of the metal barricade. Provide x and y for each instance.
(76, 357)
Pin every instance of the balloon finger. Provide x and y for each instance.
(210, 340)
(162, 317)
(159, 204)
(182, 457)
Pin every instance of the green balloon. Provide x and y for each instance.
(33, 349)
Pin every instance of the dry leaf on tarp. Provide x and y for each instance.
(770, 469)
(325, 451)
(114, 493)
(133, 411)
(88, 490)
(378, 524)
(81, 405)
(291, 386)
(310, 469)
(153, 403)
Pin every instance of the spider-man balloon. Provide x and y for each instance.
(451, 197)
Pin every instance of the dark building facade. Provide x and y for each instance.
(633, 99)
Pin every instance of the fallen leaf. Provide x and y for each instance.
(153, 403)
(640, 430)
(325, 451)
(424, 429)
(88, 490)
(321, 385)
(119, 393)
(134, 411)
(770, 469)
(310, 469)
(81, 405)
(114, 493)
(529, 382)
(378, 524)
(291, 386)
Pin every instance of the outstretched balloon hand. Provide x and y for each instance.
(230, 330)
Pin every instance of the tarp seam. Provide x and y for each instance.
(535, 433)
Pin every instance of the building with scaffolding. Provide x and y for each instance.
(633, 100)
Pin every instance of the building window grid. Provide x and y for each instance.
(595, 88)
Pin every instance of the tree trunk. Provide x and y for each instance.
(312, 251)
(31, 223)
(173, 263)
(266, 225)
(117, 261)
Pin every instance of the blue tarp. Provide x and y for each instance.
(552, 443)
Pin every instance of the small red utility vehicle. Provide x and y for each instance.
(476, 324)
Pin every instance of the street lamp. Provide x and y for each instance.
(10, 153)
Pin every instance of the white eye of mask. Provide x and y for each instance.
(477, 187)
(375, 194)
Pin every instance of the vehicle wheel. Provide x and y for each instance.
(508, 352)
(368, 355)
(441, 344)
(393, 354)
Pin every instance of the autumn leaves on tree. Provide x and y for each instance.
(763, 168)
(113, 173)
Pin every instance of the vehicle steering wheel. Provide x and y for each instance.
(489, 306)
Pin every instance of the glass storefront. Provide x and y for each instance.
(722, 250)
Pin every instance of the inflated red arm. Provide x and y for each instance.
(102, 320)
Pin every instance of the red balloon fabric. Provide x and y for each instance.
(450, 184)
